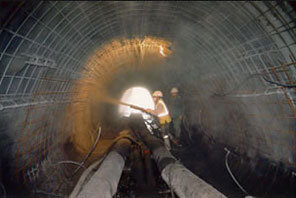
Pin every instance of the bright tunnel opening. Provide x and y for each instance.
(137, 96)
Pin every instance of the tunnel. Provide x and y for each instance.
(233, 62)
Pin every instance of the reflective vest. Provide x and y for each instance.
(162, 112)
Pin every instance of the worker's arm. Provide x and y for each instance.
(158, 109)
(151, 111)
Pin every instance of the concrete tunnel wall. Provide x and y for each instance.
(45, 48)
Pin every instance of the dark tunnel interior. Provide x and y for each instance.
(234, 63)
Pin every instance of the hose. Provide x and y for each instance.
(87, 173)
(170, 183)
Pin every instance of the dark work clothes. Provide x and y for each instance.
(175, 106)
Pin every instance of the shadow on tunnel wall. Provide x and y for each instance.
(211, 123)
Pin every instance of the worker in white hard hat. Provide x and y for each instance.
(176, 111)
(161, 111)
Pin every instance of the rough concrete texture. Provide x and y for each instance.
(44, 48)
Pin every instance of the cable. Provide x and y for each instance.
(86, 157)
(48, 193)
(70, 162)
(229, 171)
(279, 84)
(89, 153)
(289, 86)
(232, 176)
(81, 165)
(4, 194)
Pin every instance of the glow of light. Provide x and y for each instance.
(161, 51)
(137, 96)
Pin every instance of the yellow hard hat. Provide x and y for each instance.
(157, 94)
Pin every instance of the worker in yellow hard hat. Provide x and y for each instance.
(161, 111)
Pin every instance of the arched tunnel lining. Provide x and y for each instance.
(215, 46)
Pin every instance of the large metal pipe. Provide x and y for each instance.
(103, 183)
(184, 183)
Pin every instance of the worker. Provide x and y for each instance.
(176, 112)
(161, 111)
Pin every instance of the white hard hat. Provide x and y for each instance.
(157, 94)
(174, 90)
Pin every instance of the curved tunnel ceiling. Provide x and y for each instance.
(220, 52)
